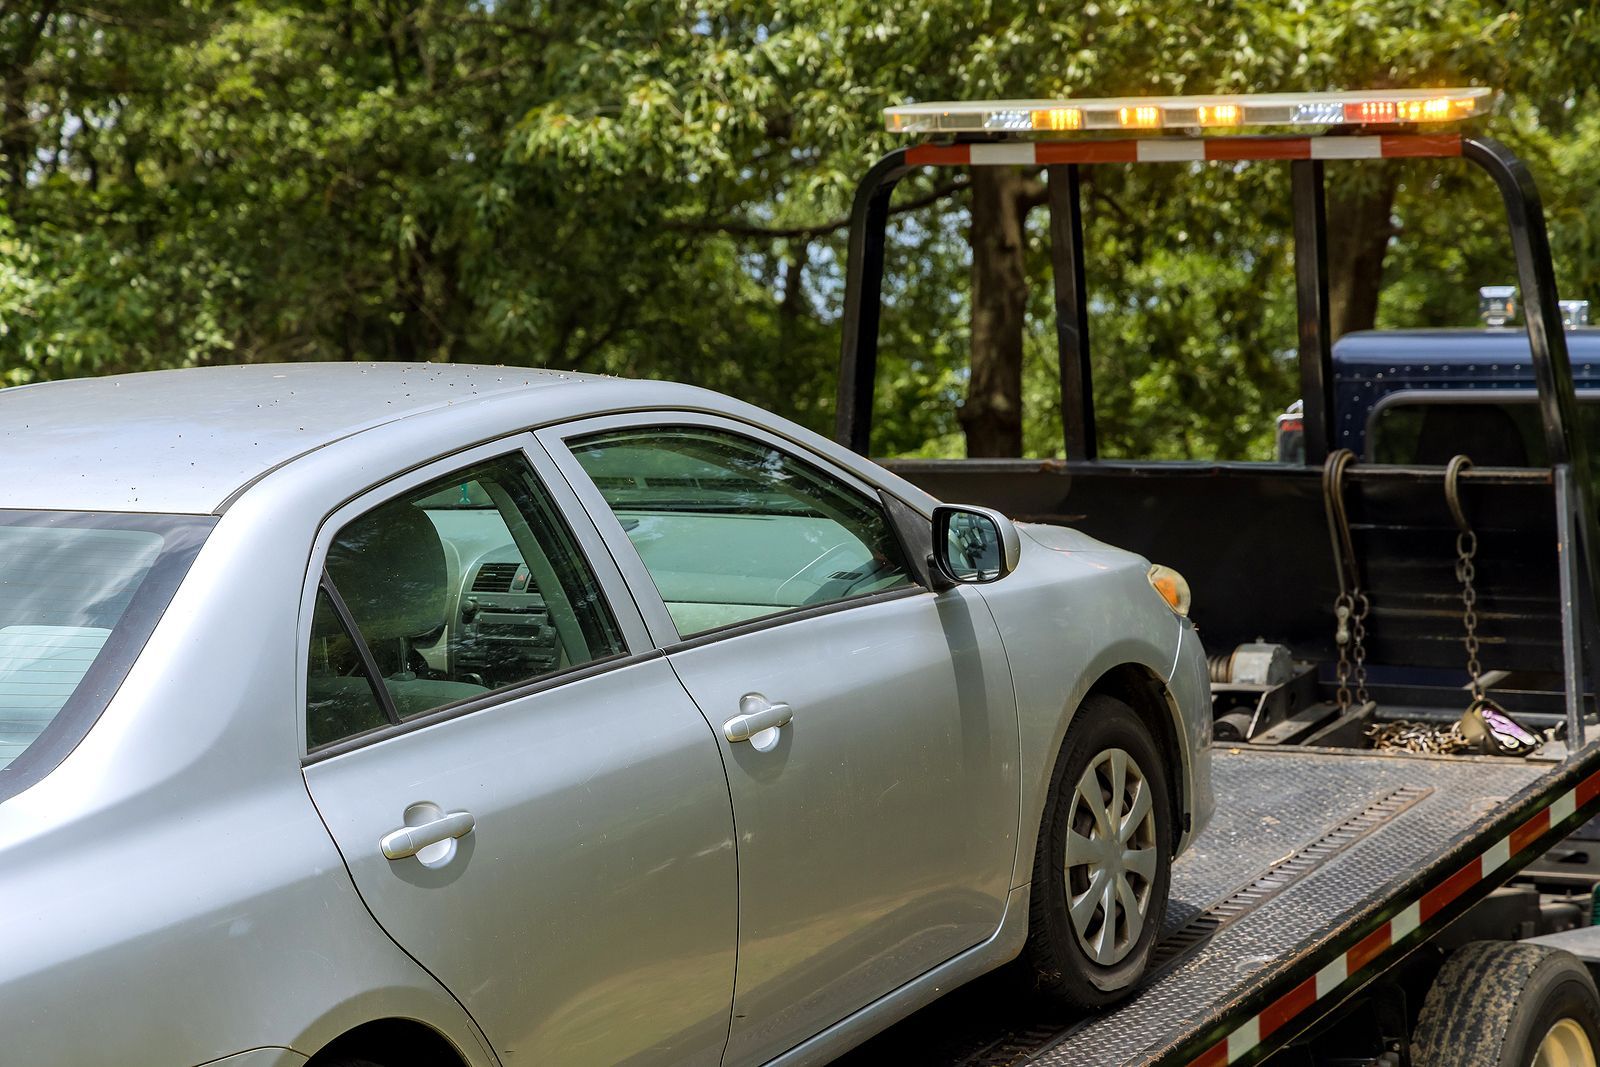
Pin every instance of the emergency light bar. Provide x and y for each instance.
(1373, 108)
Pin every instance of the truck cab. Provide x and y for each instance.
(1419, 397)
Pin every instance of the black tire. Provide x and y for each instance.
(1494, 1002)
(1060, 966)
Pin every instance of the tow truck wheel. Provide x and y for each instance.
(1509, 1004)
(1103, 862)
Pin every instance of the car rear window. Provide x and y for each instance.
(79, 595)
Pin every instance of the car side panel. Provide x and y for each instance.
(1071, 612)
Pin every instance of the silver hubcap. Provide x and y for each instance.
(1110, 856)
(1566, 1045)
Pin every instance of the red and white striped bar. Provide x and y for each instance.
(1253, 1031)
(1184, 150)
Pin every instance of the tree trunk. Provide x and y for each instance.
(1359, 229)
(17, 134)
(992, 414)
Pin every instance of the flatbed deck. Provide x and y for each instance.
(1308, 849)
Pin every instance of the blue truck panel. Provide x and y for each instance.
(1372, 364)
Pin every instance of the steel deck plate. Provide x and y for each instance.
(1270, 804)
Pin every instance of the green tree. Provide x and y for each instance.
(661, 188)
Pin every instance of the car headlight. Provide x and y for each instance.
(1172, 587)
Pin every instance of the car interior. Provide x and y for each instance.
(468, 586)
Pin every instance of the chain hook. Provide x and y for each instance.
(1452, 495)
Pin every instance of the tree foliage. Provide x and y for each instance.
(656, 187)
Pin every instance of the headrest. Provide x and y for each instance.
(390, 568)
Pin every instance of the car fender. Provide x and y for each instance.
(1074, 610)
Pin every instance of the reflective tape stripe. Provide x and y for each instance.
(1530, 831)
(1089, 152)
(1408, 920)
(1248, 1035)
(1347, 148)
(1286, 1007)
(1002, 154)
(1397, 146)
(1496, 856)
(1331, 977)
(1244, 148)
(1182, 150)
(1245, 1038)
(938, 155)
(1171, 151)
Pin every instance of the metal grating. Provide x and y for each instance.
(1282, 874)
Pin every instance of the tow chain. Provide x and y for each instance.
(1466, 573)
(1351, 606)
(1403, 735)
(1484, 726)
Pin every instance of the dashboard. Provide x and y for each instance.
(500, 631)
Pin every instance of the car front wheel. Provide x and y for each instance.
(1103, 863)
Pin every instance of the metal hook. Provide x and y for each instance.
(1452, 493)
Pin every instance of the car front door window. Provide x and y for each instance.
(732, 529)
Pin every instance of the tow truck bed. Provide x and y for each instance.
(1311, 854)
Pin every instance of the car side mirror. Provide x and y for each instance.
(973, 545)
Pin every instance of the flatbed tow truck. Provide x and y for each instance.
(1350, 903)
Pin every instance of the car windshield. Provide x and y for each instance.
(79, 595)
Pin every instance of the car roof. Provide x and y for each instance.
(187, 440)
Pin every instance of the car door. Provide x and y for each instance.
(868, 726)
(525, 796)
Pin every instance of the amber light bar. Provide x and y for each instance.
(1391, 107)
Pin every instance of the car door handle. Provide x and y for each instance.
(409, 840)
(756, 715)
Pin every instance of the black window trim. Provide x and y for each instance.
(369, 662)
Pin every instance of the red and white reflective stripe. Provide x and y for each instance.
(1184, 150)
(1256, 1029)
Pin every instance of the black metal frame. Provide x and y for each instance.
(1311, 297)
(1568, 453)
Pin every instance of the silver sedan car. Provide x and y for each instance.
(451, 716)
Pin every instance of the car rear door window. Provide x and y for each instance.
(732, 529)
(466, 586)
